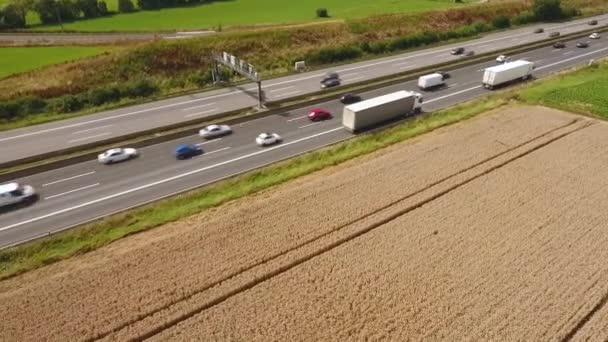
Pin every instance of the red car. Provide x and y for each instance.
(317, 114)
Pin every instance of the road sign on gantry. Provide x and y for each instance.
(238, 65)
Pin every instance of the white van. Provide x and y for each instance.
(13, 193)
(431, 81)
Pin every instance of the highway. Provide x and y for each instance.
(36, 140)
(86, 191)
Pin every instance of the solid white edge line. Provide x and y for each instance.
(162, 181)
(201, 106)
(89, 137)
(69, 192)
(572, 58)
(200, 113)
(452, 94)
(69, 178)
(92, 129)
(285, 94)
(272, 85)
(170, 195)
(284, 88)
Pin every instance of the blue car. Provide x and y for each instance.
(187, 151)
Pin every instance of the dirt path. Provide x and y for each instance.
(468, 231)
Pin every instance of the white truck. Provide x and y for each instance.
(368, 113)
(507, 72)
(13, 193)
(430, 81)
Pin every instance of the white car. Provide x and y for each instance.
(595, 35)
(13, 193)
(214, 131)
(502, 59)
(117, 155)
(266, 139)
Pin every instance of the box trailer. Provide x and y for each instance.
(368, 113)
(508, 72)
(430, 81)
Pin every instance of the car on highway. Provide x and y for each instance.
(444, 74)
(595, 35)
(184, 151)
(115, 155)
(539, 30)
(318, 114)
(350, 98)
(332, 82)
(502, 59)
(214, 131)
(554, 34)
(559, 45)
(592, 22)
(266, 138)
(582, 44)
(457, 51)
(13, 193)
(330, 76)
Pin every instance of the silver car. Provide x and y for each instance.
(214, 131)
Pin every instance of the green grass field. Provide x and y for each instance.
(20, 59)
(243, 12)
(584, 91)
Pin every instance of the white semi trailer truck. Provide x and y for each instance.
(506, 73)
(369, 113)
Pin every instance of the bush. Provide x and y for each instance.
(322, 13)
(148, 4)
(9, 110)
(66, 104)
(102, 7)
(140, 88)
(89, 8)
(11, 17)
(125, 6)
(547, 10)
(52, 12)
(31, 105)
(524, 18)
(334, 54)
(100, 96)
(501, 22)
(570, 12)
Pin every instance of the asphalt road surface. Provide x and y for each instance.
(31, 141)
(83, 192)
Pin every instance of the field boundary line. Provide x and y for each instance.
(317, 238)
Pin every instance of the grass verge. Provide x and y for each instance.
(63, 245)
(583, 91)
(14, 60)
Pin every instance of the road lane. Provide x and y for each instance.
(157, 174)
(54, 136)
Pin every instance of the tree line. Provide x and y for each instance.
(14, 14)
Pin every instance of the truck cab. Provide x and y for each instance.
(418, 102)
(13, 193)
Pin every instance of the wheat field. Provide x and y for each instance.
(490, 229)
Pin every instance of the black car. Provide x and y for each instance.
(332, 82)
(592, 22)
(582, 44)
(554, 34)
(350, 98)
(443, 74)
(457, 51)
(559, 45)
(539, 30)
(330, 76)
